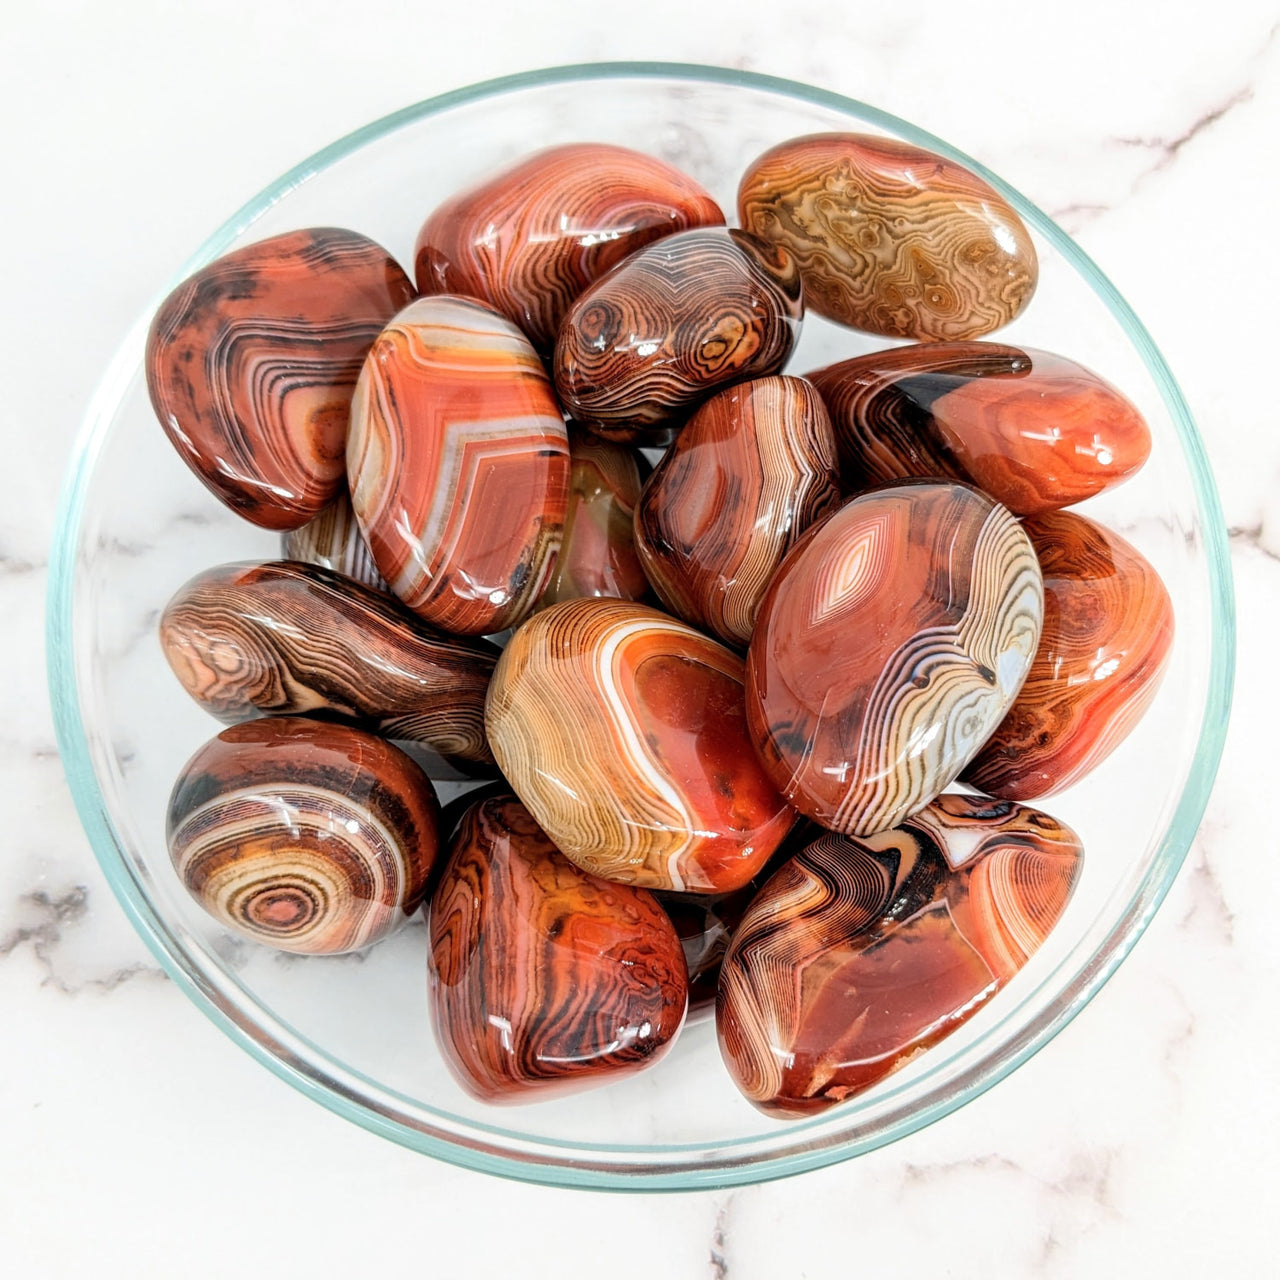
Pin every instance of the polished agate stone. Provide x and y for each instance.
(312, 837)
(891, 238)
(891, 643)
(252, 361)
(459, 465)
(623, 731)
(286, 637)
(531, 238)
(333, 541)
(753, 468)
(1034, 430)
(545, 979)
(862, 952)
(671, 324)
(598, 554)
(1108, 628)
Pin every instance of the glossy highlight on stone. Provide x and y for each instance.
(891, 643)
(530, 239)
(311, 837)
(623, 732)
(752, 469)
(1034, 430)
(671, 324)
(251, 364)
(890, 238)
(459, 465)
(285, 638)
(1108, 629)
(860, 953)
(544, 979)
(333, 541)
(598, 554)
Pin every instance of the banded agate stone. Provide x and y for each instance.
(623, 732)
(752, 469)
(862, 952)
(311, 837)
(598, 554)
(1034, 430)
(285, 638)
(544, 979)
(1108, 629)
(891, 643)
(333, 541)
(672, 323)
(890, 238)
(251, 364)
(459, 465)
(531, 238)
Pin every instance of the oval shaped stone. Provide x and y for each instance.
(311, 837)
(459, 465)
(333, 541)
(892, 642)
(752, 469)
(531, 238)
(623, 731)
(891, 238)
(544, 979)
(1034, 430)
(285, 638)
(672, 323)
(1108, 629)
(251, 363)
(860, 953)
(598, 554)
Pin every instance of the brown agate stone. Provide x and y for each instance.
(1108, 628)
(750, 471)
(311, 837)
(1034, 430)
(531, 238)
(672, 323)
(860, 953)
(891, 238)
(333, 541)
(252, 361)
(545, 979)
(286, 637)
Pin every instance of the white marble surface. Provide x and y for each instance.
(137, 1141)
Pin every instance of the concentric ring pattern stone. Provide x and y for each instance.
(891, 643)
(333, 541)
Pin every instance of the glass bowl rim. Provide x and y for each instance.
(575, 1164)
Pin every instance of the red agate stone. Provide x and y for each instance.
(1034, 430)
(251, 364)
(893, 640)
(1108, 629)
(545, 979)
(531, 238)
(860, 953)
(459, 465)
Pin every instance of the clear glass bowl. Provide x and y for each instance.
(353, 1033)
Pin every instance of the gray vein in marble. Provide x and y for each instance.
(1255, 536)
(11, 566)
(1208, 905)
(1167, 149)
(1088, 1174)
(719, 1252)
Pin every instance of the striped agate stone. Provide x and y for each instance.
(544, 979)
(862, 952)
(531, 238)
(311, 837)
(598, 554)
(623, 732)
(671, 324)
(333, 541)
(251, 363)
(890, 644)
(1034, 430)
(1108, 629)
(459, 465)
(286, 638)
(890, 238)
(752, 469)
